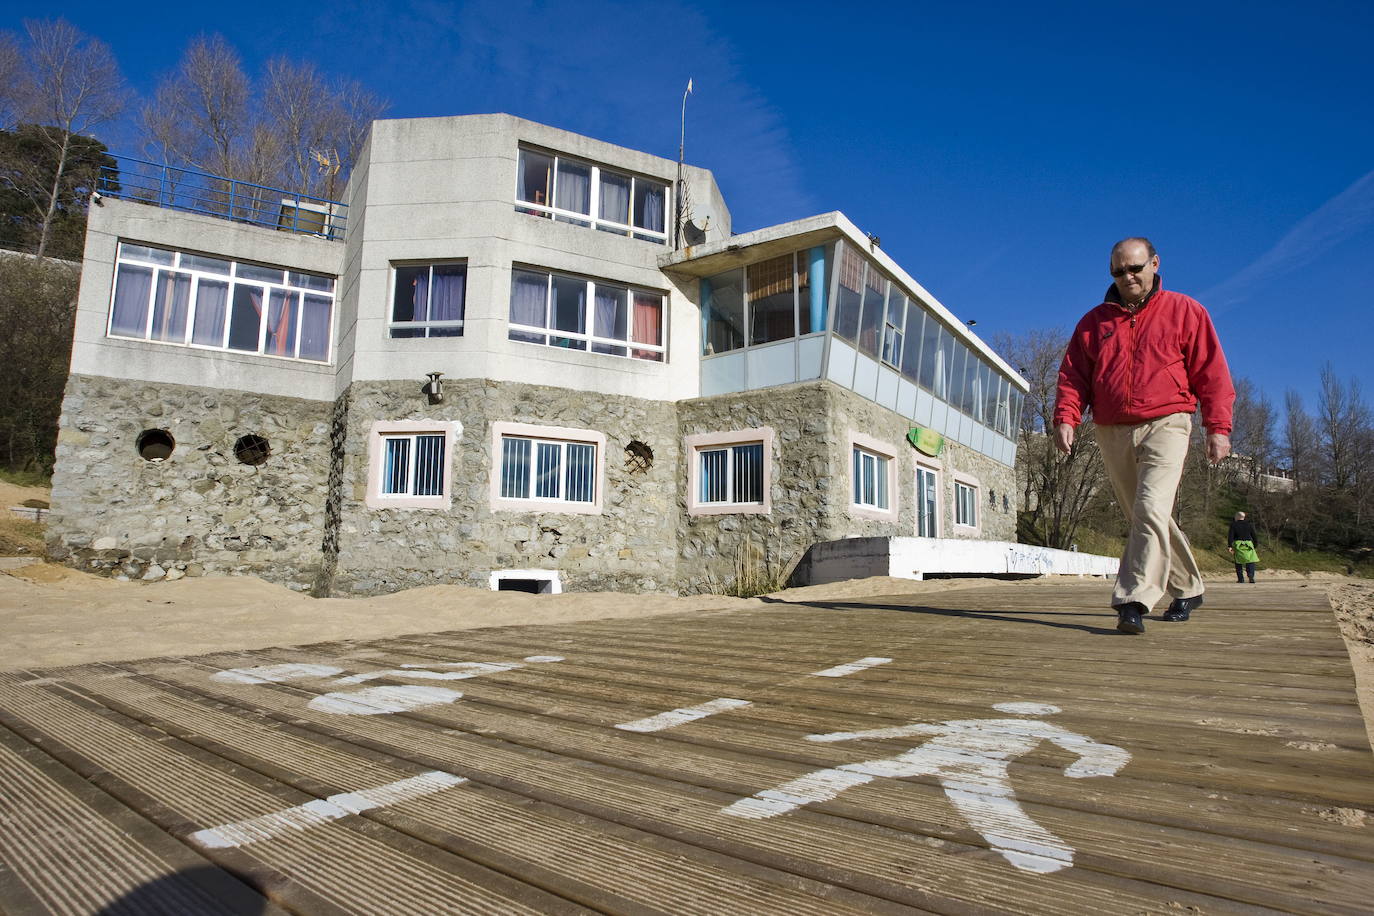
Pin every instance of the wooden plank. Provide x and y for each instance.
(1245, 740)
(1280, 873)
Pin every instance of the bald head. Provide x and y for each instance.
(1135, 240)
(1240, 516)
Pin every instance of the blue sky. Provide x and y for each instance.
(997, 149)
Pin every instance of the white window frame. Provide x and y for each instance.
(380, 432)
(698, 443)
(594, 219)
(930, 466)
(589, 318)
(974, 487)
(232, 280)
(877, 448)
(426, 326)
(564, 435)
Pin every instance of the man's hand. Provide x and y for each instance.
(1218, 447)
(1063, 437)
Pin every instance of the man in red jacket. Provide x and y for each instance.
(1142, 361)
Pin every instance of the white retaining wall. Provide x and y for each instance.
(915, 558)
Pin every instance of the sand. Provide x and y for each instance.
(52, 615)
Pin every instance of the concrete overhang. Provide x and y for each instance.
(761, 244)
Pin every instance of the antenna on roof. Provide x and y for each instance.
(680, 191)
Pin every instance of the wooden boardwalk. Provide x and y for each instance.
(1215, 766)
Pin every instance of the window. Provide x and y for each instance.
(410, 464)
(777, 299)
(569, 191)
(427, 300)
(730, 472)
(927, 501)
(873, 492)
(894, 327)
(733, 474)
(870, 479)
(184, 299)
(965, 502)
(579, 314)
(545, 468)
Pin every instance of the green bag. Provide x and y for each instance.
(1245, 552)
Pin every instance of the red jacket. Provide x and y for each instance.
(1132, 368)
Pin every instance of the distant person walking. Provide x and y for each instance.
(1142, 361)
(1241, 542)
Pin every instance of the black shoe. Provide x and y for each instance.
(1180, 608)
(1128, 617)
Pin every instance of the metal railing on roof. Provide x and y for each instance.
(228, 198)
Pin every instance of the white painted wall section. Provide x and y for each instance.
(915, 558)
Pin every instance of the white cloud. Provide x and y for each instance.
(1335, 221)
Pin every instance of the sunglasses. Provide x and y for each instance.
(1129, 268)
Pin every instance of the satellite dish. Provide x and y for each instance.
(692, 234)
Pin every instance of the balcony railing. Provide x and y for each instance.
(200, 192)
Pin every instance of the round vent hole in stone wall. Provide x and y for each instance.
(252, 449)
(638, 457)
(155, 444)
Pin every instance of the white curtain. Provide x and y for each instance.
(133, 286)
(611, 318)
(574, 187)
(315, 321)
(170, 306)
(212, 301)
(649, 212)
(615, 198)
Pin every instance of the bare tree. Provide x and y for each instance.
(73, 86)
(1252, 431)
(1341, 416)
(295, 130)
(200, 115)
(1056, 490)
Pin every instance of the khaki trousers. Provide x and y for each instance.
(1144, 462)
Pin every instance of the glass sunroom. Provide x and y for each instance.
(815, 299)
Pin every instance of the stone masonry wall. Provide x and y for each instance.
(852, 411)
(811, 483)
(719, 551)
(201, 510)
(631, 546)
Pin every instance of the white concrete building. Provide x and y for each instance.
(495, 356)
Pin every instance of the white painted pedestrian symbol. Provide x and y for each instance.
(970, 758)
(375, 701)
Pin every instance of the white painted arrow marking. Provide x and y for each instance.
(322, 811)
(862, 664)
(680, 716)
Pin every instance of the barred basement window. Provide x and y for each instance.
(414, 465)
(410, 463)
(638, 457)
(252, 450)
(546, 470)
(732, 475)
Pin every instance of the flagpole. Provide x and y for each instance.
(677, 196)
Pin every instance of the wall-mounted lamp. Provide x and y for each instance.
(434, 388)
(971, 322)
